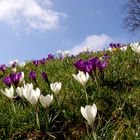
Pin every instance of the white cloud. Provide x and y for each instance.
(30, 14)
(93, 42)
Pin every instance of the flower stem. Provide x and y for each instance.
(93, 133)
(86, 94)
(37, 118)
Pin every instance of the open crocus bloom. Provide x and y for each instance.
(56, 87)
(135, 47)
(89, 113)
(46, 100)
(81, 77)
(30, 94)
(9, 92)
(123, 48)
(19, 91)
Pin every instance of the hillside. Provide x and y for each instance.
(110, 81)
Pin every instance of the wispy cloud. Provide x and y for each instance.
(29, 14)
(93, 42)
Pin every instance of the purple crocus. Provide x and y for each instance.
(102, 65)
(106, 56)
(94, 61)
(88, 66)
(114, 45)
(15, 78)
(3, 67)
(50, 56)
(7, 81)
(32, 75)
(79, 65)
(42, 61)
(36, 62)
(45, 77)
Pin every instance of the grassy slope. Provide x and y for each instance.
(117, 99)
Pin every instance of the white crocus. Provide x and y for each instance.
(14, 69)
(59, 52)
(135, 47)
(30, 94)
(22, 76)
(56, 87)
(81, 77)
(9, 92)
(89, 113)
(86, 49)
(46, 100)
(14, 61)
(21, 65)
(65, 53)
(124, 48)
(19, 91)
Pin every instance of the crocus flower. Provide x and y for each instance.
(50, 56)
(19, 91)
(102, 65)
(135, 47)
(81, 77)
(56, 87)
(13, 63)
(88, 66)
(45, 77)
(3, 67)
(123, 48)
(42, 61)
(30, 94)
(32, 75)
(94, 61)
(106, 56)
(80, 65)
(21, 76)
(86, 49)
(89, 113)
(7, 81)
(15, 78)
(46, 100)
(14, 69)
(8, 92)
(36, 62)
(65, 53)
(21, 65)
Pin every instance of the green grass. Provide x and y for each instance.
(117, 98)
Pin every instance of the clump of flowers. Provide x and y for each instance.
(90, 65)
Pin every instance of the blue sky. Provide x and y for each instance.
(31, 29)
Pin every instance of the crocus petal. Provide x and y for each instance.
(46, 100)
(8, 92)
(89, 113)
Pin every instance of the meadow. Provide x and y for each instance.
(108, 82)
